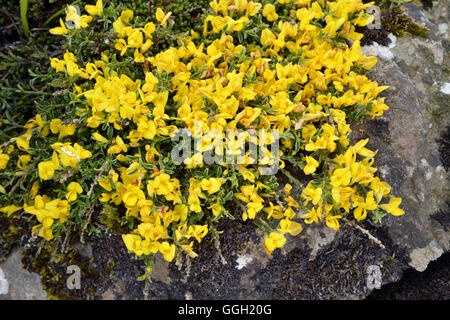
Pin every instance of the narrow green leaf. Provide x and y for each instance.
(23, 17)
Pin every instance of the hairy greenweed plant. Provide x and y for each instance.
(125, 84)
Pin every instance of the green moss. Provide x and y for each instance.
(112, 219)
(399, 23)
(51, 265)
(12, 230)
(47, 264)
(393, 20)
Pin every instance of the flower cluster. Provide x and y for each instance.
(46, 211)
(291, 66)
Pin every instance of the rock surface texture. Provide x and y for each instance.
(320, 263)
(412, 155)
(16, 283)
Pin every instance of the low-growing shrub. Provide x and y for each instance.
(286, 77)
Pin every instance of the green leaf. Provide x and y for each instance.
(227, 197)
(23, 17)
(228, 214)
(133, 171)
(143, 277)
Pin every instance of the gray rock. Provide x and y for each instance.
(406, 136)
(17, 283)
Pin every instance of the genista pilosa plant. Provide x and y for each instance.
(127, 84)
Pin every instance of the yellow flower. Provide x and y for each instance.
(362, 206)
(57, 126)
(77, 20)
(135, 39)
(161, 185)
(194, 203)
(311, 165)
(23, 142)
(74, 188)
(198, 232)
(312, 194)
(60, 30)
(188, 249)
(340, 177)
(167, 250)
(46, 233)
(4, 158)
(289, 213)
(218, 24)
(9, 210)
(119, 147)
(23, 161)
(291, 227)
(126, 15)
(212, 185)
(132, 241)
(95, 10)
(269, 12)
(252, 209)
(305, 15)
(216, 209)
(308, 131)
(47, 211)
(97, 136)
(332, 221)
(70, 155)
(132, 195)
(161, 17)
(313, 215)
(320, 143)
(151, 231)
(273, 241)
(149, 28)
(247, 174)
(380, 188)
(392, 207)
(46, 169)
(253, 8)
(149, 247)
(105, 184)
(267, 37)
(274, 211)
(287, 188)
(34, 189)
(248, 115)
(180, 212)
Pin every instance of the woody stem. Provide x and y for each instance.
(291, 178)
(366, 232)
